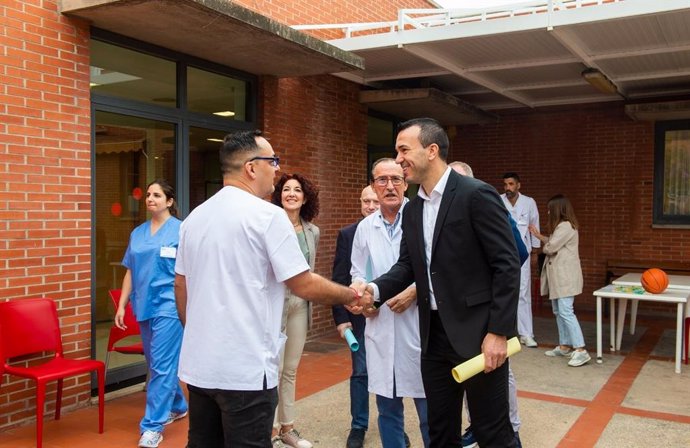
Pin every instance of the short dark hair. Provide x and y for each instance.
(310, 209)
(512, 174)
(234, 145)
(430, 131)
(168, 191)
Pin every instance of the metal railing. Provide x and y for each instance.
(427, 18)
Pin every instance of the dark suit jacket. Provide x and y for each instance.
(475, 269)
(341, 272)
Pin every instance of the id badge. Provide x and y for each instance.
(168, 252)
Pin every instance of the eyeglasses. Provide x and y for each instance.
(383, 181)
(274, 161)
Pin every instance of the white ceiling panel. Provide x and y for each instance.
(536, 56)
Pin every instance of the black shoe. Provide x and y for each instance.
(407, 441)
(518, 443)
(356, 438)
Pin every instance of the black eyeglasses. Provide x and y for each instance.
(383, 180)
(275, 161)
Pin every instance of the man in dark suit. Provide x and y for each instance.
(359, 394)
(459, 249)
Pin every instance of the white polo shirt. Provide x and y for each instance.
(235, 251)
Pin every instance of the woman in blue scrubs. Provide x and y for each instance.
(149, 285)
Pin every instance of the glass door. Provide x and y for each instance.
(130, 152)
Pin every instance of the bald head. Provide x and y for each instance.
(462, 168)
(369, 201)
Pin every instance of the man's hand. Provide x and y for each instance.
(370, 312)
(365, 301)
(402, 301)
(342, 327)
(495, 349)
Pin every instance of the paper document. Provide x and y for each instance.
(473, 366)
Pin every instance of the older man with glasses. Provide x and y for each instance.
(392, 332)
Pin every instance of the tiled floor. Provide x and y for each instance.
(632, 399)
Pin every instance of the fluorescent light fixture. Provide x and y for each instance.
(599, 81)
(225, 113)
(214, 140)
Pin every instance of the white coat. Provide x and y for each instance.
(525, 213)
(392, 339)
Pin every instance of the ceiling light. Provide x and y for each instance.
(225, 113)
(599, 81)
(214, 140)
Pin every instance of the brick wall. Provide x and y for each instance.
(307, 12)
(318, 128)
(45, 201)
(596, 156)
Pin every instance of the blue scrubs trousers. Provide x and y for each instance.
(162, 338)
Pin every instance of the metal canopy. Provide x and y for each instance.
(218, 31)
(530, 54)
(411, 103)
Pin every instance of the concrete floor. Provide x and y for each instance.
(632, 399)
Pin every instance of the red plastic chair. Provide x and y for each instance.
(116, 334)
(29, 326)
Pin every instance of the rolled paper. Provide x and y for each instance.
(351, 340)
(473, 366)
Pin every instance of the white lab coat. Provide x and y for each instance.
(392, 339)
(525, 213)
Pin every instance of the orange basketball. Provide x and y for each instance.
(654, 281)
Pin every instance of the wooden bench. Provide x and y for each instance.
(616, 268)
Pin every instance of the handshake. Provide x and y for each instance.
(363, 300)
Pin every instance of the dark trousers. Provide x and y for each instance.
(230, 418)
(487, 397)
(359, 380)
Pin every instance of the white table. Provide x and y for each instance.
(676, 282)
(625, 292)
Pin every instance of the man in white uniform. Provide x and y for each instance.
(524, 211)
(236, 254)
(392, 332)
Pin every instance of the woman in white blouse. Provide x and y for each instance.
(561, 278)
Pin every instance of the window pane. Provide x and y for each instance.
(130, 153)
(204, 165)
(216, 94)
(124, 73)
(677, 173)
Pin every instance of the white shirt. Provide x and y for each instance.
(432, 203)
(525, 213)
(235, 251)
(392, 339)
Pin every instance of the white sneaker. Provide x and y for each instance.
(293, 439)
(558, 352)
(174, 416)
(277, 442)
(150, 439)
(528, 341)
(579, 358)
